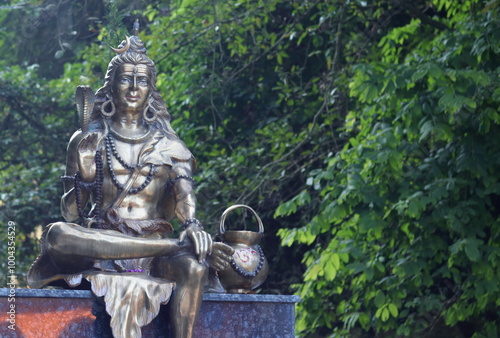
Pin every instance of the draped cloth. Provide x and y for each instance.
(132, 299)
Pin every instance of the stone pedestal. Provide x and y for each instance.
(70, 313)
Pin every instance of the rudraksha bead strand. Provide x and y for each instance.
(190, 221)
(99, 178)
(151, 174)
(78, 197)
(111, 148)
(149, 177)
(254, 273)
(185, 177)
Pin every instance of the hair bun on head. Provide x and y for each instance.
(131, 44)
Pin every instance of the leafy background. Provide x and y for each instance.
(365, 134)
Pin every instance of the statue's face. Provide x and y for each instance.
(131, 87)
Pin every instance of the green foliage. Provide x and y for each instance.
(112, 34)
(411, 203)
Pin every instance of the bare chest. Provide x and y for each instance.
(124, 170)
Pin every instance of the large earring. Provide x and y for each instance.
(108, 114)
(150, 114)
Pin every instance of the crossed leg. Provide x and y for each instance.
(68, 239)
(72, 246)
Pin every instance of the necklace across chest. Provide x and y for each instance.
(112, 151)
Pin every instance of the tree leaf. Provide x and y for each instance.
(393, 309)
(471, 249)
(379, 299)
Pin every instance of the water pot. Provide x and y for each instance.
(249, 267)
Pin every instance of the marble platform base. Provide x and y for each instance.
(71, 313)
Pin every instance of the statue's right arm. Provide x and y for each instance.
(74, 155)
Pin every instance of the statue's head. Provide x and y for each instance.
(131, 89)
(131, 58)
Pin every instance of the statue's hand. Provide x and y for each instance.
(221, 257)
(86, 157)
(202, 241)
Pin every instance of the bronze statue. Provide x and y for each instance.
(131, 166)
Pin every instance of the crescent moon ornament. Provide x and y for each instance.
(124, 48)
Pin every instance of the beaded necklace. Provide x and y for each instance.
(111, 151)
(95, 186)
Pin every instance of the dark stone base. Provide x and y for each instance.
(77, 313)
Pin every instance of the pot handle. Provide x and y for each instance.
(236, 206)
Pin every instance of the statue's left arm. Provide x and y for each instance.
(185, 208)
(183, 189)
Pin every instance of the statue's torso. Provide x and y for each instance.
(153, 199)
(145, 203)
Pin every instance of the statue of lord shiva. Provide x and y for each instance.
(131, 167)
